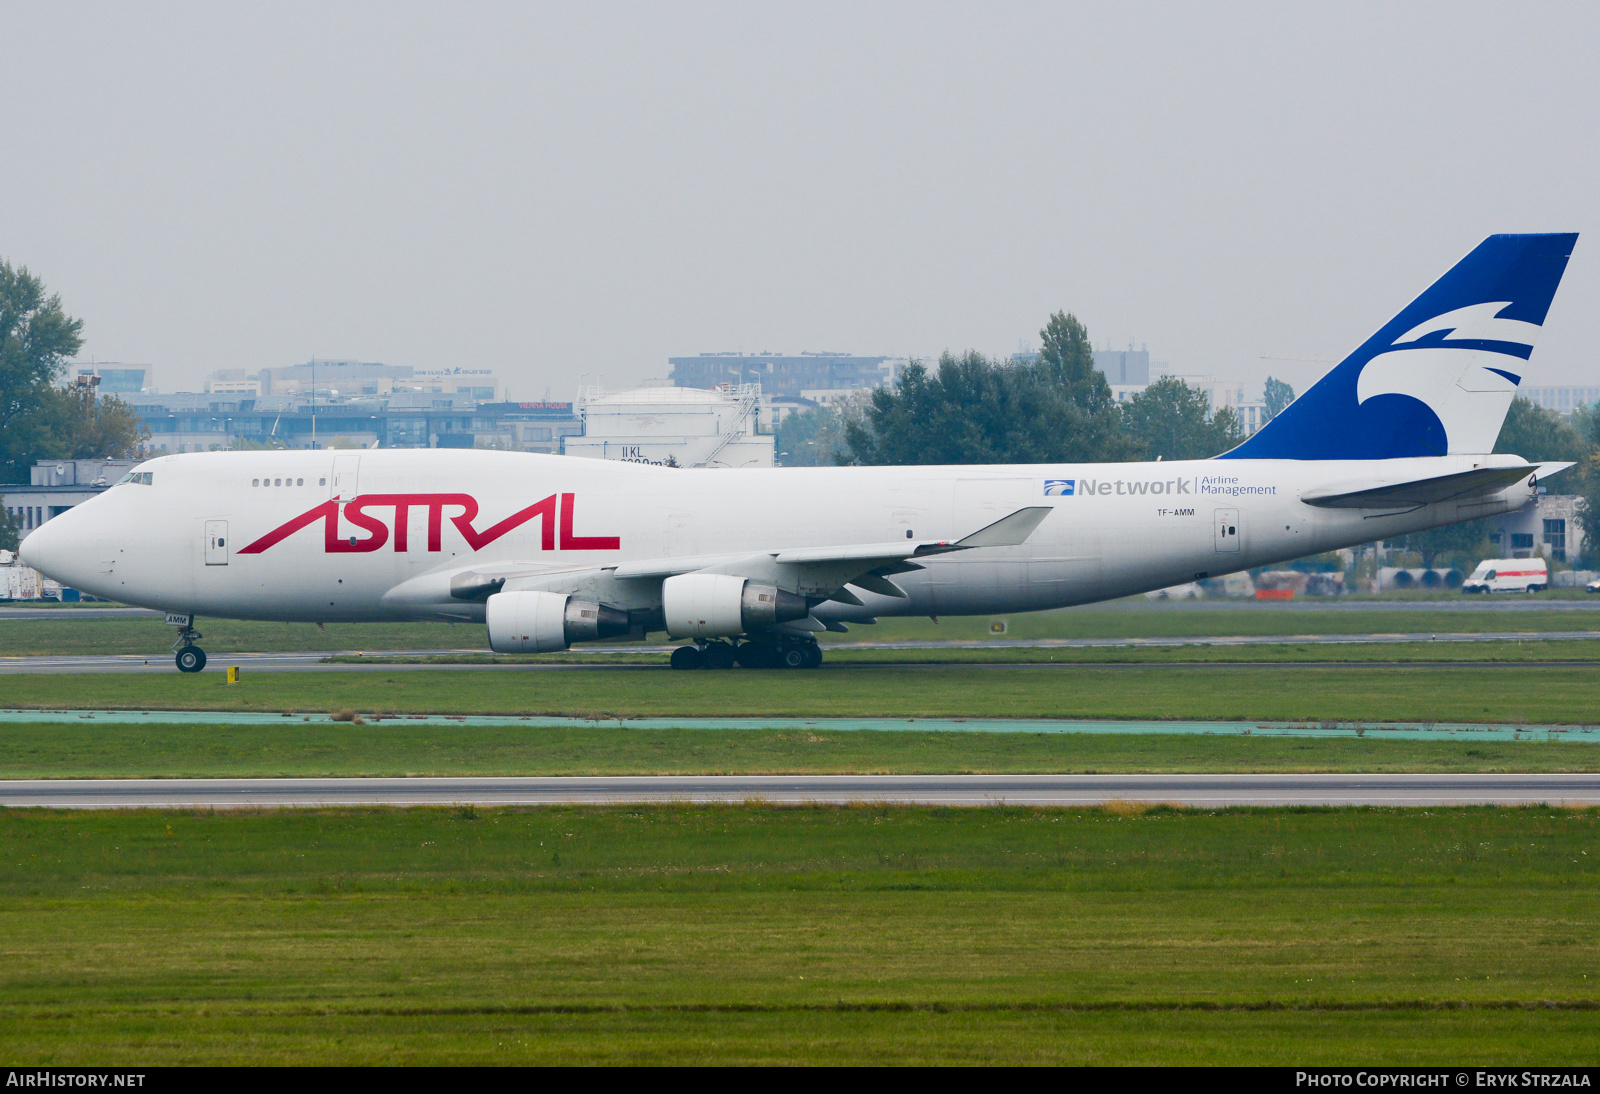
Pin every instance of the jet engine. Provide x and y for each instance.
(538, 622)
(721, 605)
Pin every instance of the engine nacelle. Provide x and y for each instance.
(540, 622)
(720, 605)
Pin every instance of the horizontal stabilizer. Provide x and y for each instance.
(1419, 492)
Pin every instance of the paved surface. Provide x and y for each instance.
(1506, 602)
(1379, 731)
(1200, 791)
(161, 661)
(318, 661)
(1214, 640)
(68, 614)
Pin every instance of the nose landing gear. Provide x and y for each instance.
(189, 657)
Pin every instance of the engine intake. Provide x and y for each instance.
(721, 605)
(539, 622)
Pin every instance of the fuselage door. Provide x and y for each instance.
(216, 543)
(1227, 525)
(680, 534)
(346, 477)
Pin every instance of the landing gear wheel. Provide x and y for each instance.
(757, 655)
(792, 657)
(686, 657)
(191, 659)
(717, 655)
(813, 656)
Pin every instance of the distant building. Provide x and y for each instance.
(232, 381)
(474, 383)
(1547, 526)
(119, 379)
(57, 485)
(674, 426)
(803, 376)
(1562, 399)
(779, 407)
(1252, 415)
(344, 377)
(1124, 366)
(526, 427)
(192, 422)
(357, 378)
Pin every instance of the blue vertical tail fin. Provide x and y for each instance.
(1438, 378)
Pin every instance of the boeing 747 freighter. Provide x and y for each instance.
(751, 564)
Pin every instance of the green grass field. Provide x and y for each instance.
(57, 631)
(1532, 649)
(756, 934)
(1531, 694)
(90, 750)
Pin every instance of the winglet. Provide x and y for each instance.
(1012, 531)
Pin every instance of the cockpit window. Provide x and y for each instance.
(143, 478)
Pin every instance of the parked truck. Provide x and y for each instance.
(1508, 575)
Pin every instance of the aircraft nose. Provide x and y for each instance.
(45, 549)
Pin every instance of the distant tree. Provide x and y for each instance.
(1278, 395)
(1461, 545)
(248, 444)
(1586, 420)
(10, 530)
(815, 437)
(970, 409)
(1584, 480)
(973, 410)
(1537, 434)
(1067, 358)
(82, 427)
(1172, 421)
(37, 338)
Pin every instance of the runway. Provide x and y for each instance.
(40, 611)
(403, 660)
(1196, 791)
(1459, 732)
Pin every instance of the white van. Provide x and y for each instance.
(1508, 575)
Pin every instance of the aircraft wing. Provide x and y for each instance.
(1431, 491)
(820, 573)
(823, 572)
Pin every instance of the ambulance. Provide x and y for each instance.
(1508, 575)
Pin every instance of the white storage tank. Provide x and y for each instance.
(674, 427)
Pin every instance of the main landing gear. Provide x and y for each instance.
(190, 657)
(785, 653)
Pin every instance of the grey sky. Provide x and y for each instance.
(568, 191)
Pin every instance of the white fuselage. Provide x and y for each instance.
(189, 540)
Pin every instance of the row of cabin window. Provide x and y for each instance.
(284, 482)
